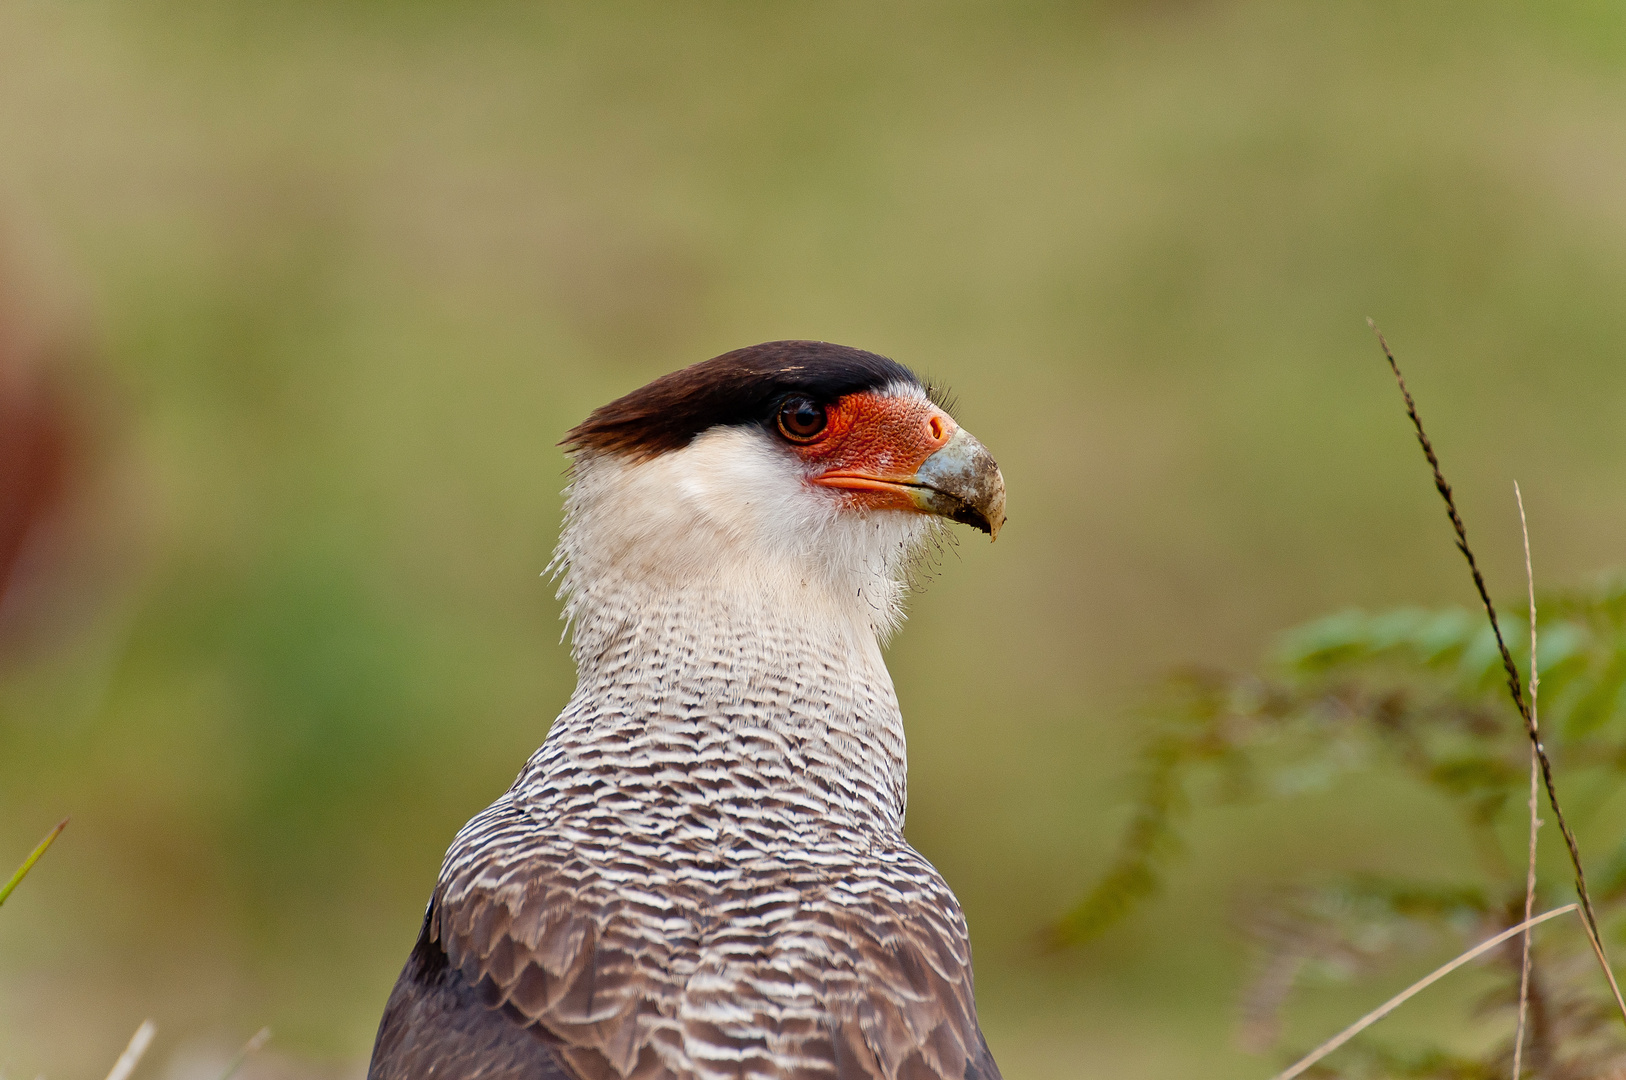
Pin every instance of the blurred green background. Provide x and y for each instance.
(319, 286)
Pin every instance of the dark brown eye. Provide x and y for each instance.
(801, 419)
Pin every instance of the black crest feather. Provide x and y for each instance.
(740, 387)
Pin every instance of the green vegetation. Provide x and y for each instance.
(330, 280)
(1419, 693)
(28, 864)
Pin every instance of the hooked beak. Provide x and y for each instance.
(959, 480)
(962, 483)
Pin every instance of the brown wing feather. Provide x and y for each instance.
(795, 971)
(434, 1026)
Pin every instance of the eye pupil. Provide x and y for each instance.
(801, 419)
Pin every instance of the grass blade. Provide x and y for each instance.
(1515, 687)
(249, 1049)
(1411, 991)
(125, 1065)
(1535, 821)
(33, 857)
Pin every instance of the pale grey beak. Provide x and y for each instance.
(962, 483)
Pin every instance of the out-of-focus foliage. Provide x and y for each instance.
(1418, 692)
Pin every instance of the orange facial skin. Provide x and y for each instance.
(873, 445)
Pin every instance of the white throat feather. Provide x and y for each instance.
(730, 516)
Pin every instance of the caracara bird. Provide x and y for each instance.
(702, 873)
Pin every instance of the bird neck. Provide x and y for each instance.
(741, 694)
(741, 682)
(709, 644)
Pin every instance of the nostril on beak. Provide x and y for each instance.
(937, 429)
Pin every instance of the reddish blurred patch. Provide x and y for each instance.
(37, 464)
(33, 464)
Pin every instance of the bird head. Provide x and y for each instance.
(791, 461)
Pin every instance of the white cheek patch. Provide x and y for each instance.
(734, 510)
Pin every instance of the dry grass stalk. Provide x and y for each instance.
(1535, 821)
(33, 857)
(1304, 1063)
(125, 1065)
(250, 1048)
(1515, 685)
